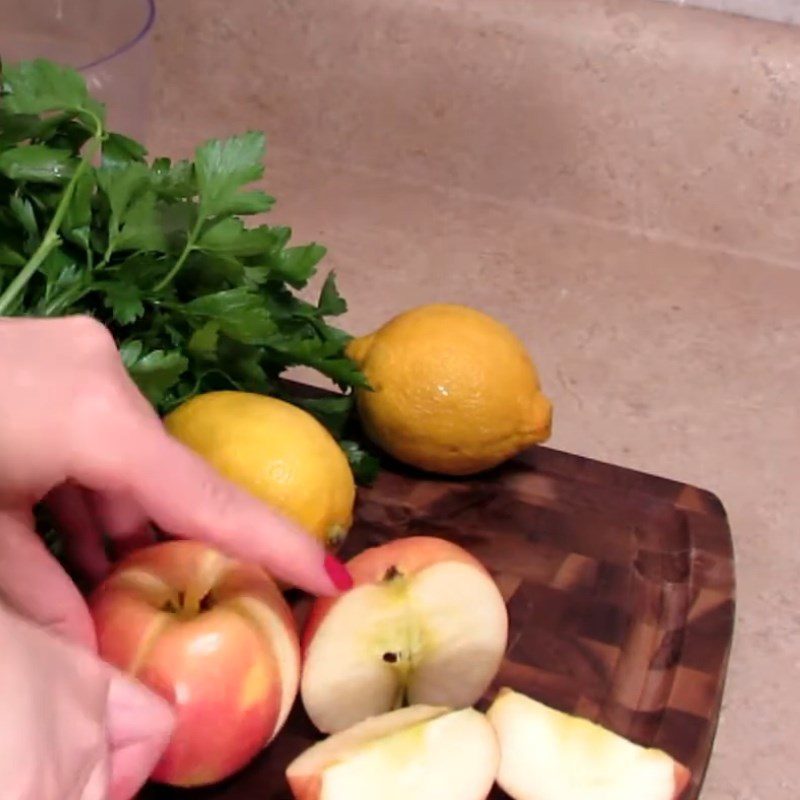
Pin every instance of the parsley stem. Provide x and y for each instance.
(190, 242)
(51, 239)
(46, 246)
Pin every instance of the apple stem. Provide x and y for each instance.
(188, 604)
(192, 605)
(193, 601)
(170, 606)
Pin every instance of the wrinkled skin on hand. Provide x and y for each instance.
(76, 432)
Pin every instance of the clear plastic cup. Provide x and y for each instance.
(108, 40)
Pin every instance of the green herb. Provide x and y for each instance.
(159, 252)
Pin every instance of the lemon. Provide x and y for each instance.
(454, 391)
(277, 452)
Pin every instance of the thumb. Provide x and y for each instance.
(139, 725)
(186, 497)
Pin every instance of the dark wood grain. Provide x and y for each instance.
(619, 586)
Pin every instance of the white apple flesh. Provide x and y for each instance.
(415, 753)
(424, 624)
(548, 755)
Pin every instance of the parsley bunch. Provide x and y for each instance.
(159, 252)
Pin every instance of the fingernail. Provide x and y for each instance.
(338, 573)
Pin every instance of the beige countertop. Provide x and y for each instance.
(619, 180)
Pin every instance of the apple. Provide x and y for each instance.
(548, 755)
(423, 624)
(415, 753)
(212, 635)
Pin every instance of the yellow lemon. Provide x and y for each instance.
(454, 391)
(277, 452)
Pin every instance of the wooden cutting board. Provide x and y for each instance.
(620, 592)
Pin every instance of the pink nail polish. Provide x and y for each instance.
(338, 572)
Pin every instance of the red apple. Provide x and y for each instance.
(424, 624)
(212, 635)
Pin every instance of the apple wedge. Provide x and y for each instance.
(424, 624)
(548, 755)
(415, 753)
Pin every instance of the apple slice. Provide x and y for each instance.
(418, 753)
(424, 624)
(548, 755)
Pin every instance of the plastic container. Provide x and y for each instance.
(108, 40)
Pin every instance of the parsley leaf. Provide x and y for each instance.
(365, 465)
(10, 257)
(33, 87)
(333, 412)
(157, 371)
(37, 163)
(77, 221)
(22, 209)
(331, 303)
(119, 150)
(239, 313)
(124, 299)
(120, 184)
(231, 236)
(224, 167)
(141, 228)
(297, 265)
(203, 342)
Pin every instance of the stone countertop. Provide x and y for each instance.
(618, 180)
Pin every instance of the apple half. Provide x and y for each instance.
(548, 755)
(424, 624)
(415, 753)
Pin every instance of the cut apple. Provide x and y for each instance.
(423, 624)
(548, 755)
(415, 753)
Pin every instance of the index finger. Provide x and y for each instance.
(186, 497)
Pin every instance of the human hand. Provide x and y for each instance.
(75, 430)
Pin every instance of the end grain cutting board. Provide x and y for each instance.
(620, 592)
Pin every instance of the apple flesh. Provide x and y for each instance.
(415, 753)
(548, 755)
(424, 624)
(214, 637)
